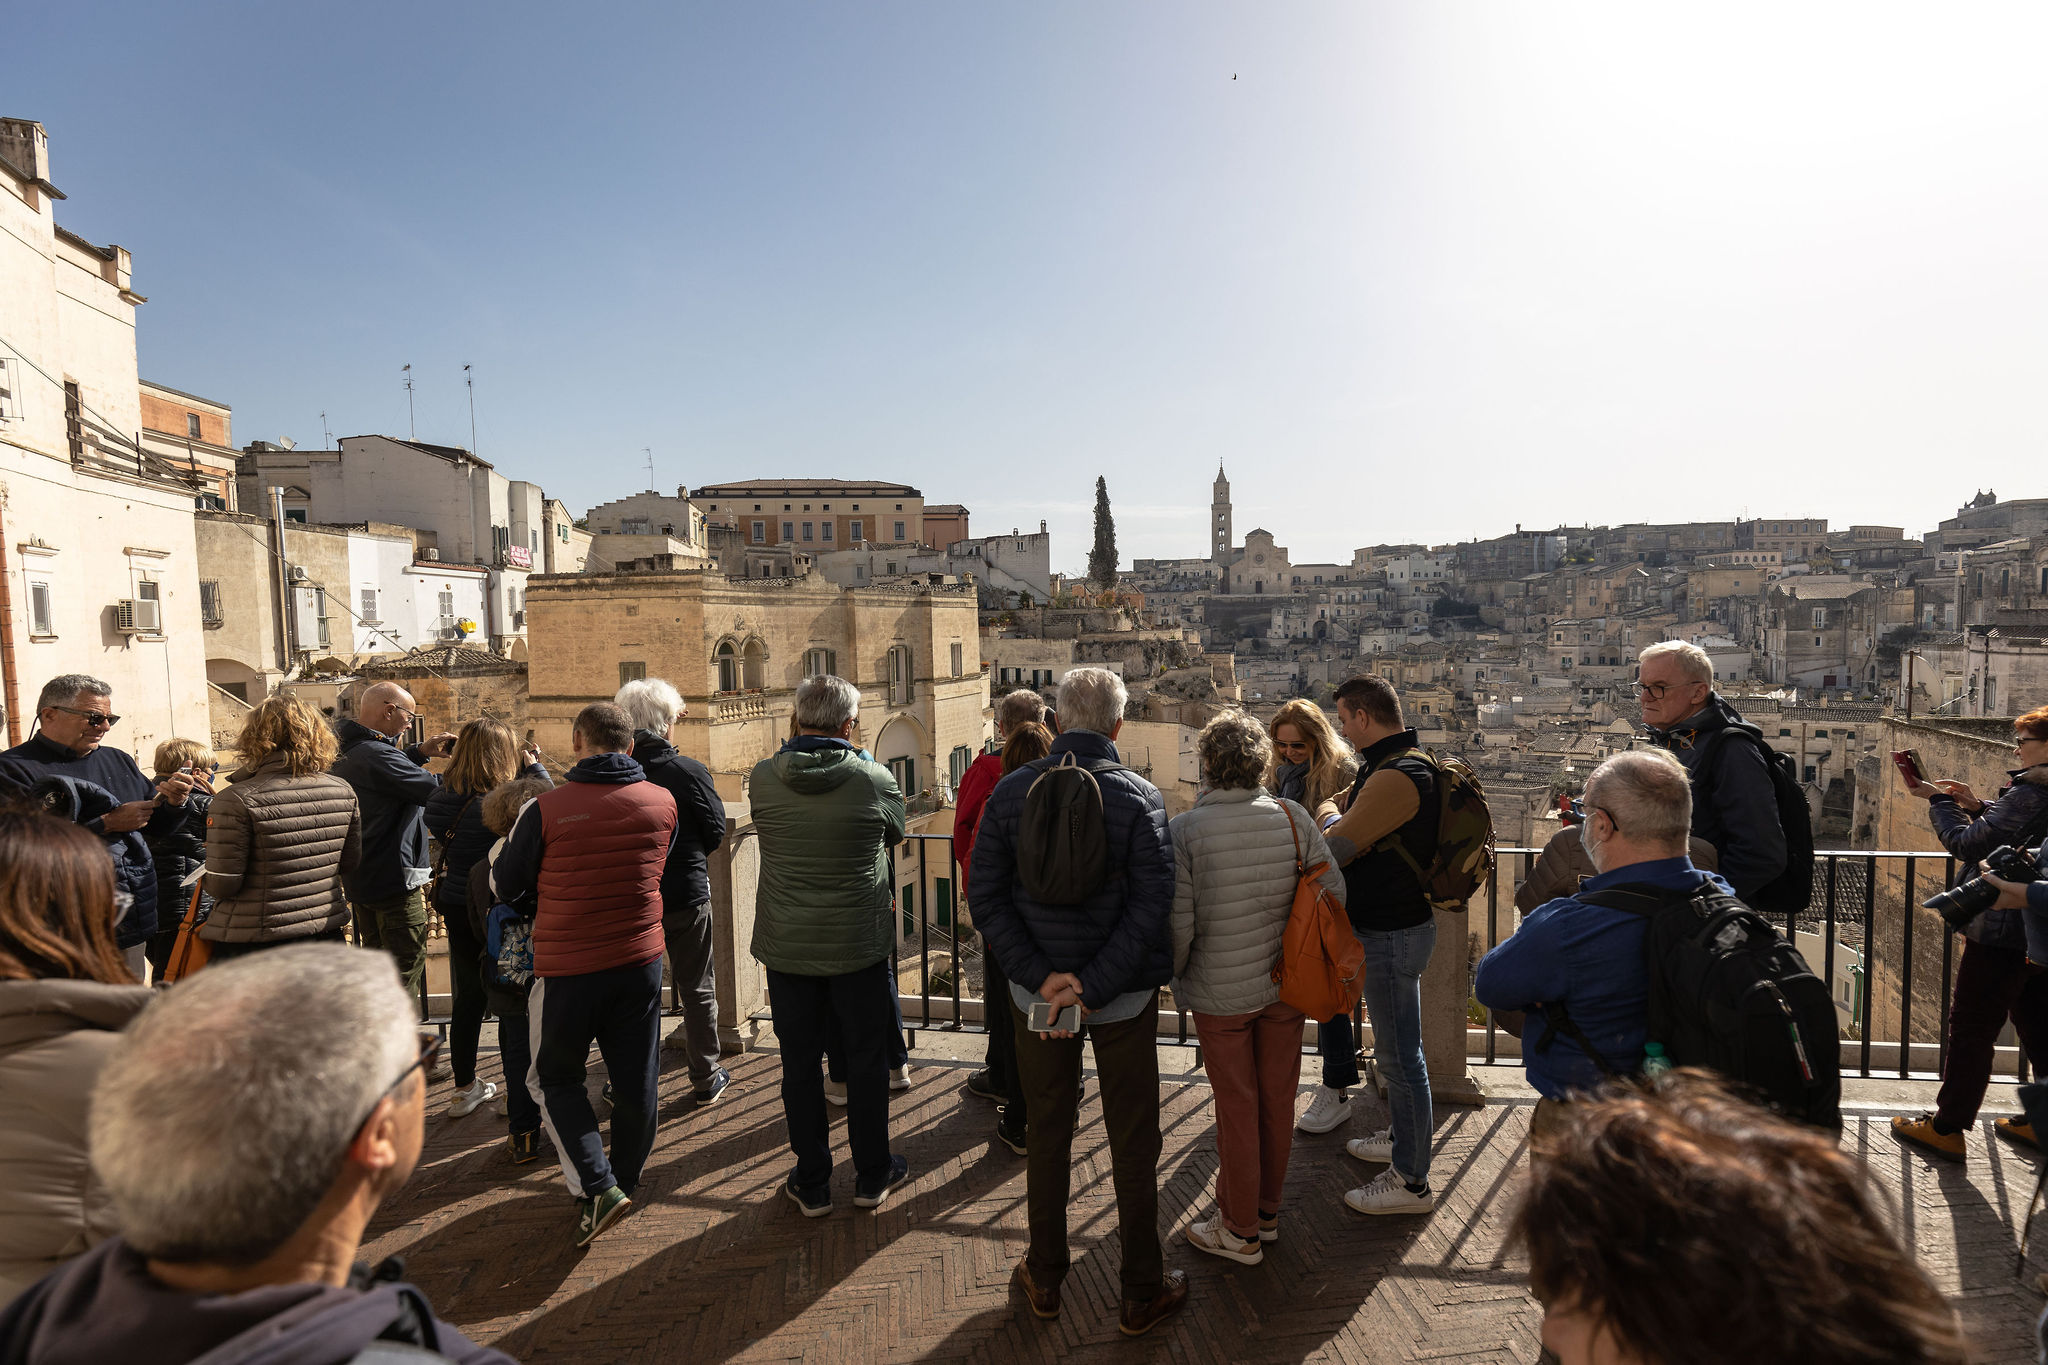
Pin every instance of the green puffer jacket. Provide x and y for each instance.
(827, 818)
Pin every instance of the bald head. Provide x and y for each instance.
(386, 708)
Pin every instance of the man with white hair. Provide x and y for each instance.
(243, 1248)
(1735, 806)
(1106, 947)
(824, 927)
(387, 891)
(1578, 966)
(654, 706)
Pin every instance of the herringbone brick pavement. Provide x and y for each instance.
(713, 1264)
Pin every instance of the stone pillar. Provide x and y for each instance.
(742, 987)
(1446, 987)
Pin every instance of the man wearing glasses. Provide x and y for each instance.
(387, 891)
(243, 1173)
(74, 714)
(1735, 806)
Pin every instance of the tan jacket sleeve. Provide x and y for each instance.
(227, 845)
(1387, 801)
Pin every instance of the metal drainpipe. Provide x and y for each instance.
(8, 675)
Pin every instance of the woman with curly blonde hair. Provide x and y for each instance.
(279, 839)
(1312, 765)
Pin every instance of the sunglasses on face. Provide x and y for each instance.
(1287, 747)
(102, 719)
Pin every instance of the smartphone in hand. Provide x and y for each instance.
(1908, 761)
(1043, 1020)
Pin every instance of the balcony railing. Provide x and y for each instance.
(1889, 964)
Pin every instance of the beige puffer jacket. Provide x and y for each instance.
(277, 847)
(1234, 863)
(54, 1035)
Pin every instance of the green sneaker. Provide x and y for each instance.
(595, 1215)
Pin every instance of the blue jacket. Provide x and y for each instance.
(1734, 805)
(700, 819)
(115, 776)
(457, 820)
(1119, 940)
(393, 790)
(2020, 807)
(1588, 958)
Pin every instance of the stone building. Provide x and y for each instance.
(185, 429)
(816, 514)
(1795, 539)
(98, 567)
(737, 648)
(1822, 632)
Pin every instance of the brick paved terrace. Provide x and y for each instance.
(714, 1264)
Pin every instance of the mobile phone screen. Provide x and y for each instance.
(1909, 765)
(1043, 1020)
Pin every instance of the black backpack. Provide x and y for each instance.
(1791, 890)
(1729, 994)
(1062, 850)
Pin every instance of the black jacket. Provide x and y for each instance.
(700, 820)
(393, 790)
(1381, 891)
(1734, 804)
(1119, 940)
(104, 1306)
(457, 820)
(177, 853)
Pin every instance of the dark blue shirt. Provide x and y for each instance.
(1589, 958)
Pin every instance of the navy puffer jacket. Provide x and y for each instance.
(1120, 939)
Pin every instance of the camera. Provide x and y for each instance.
(1964, 902)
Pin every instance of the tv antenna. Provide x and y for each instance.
(326, 436)
(411, 430)
(469, 382)
(649, 453)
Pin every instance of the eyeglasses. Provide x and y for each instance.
(430, 1048)
(104, 720)
(1656, 691)
(2022, 741)
(1302, 746)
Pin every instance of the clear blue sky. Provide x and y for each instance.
(1419, 271)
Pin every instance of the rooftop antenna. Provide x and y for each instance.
(469, 382)
(326, 436)
(411, 431)
(649, 453)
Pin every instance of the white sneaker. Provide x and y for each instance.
(899, 1077)
(1378, 1147)
(467, 1102)
(835, 1091)
(1326, 1111)
(1388, 1193)
(1211, 1236)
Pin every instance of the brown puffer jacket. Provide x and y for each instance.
(54, 1036)
(277, 847)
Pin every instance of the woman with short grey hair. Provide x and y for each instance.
(654, 706)
(1237, 857)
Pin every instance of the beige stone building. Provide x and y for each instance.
(737, 648)
(197, 433)
(815, 515)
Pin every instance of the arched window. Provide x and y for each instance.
(728, 660)
(754, 664)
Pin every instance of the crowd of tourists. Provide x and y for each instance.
(1655, 1198)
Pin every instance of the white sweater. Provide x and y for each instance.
(1234, 863)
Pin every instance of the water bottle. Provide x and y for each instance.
(1655, 1063)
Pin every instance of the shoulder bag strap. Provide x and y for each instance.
(1300, 863)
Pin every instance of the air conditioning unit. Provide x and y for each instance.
(298, 574)
(138, 616)
(433, 556)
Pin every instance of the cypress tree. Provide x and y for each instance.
(1102, 559)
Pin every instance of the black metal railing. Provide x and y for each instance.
(1865, 903)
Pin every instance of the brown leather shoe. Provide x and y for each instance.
(1140, 1318)
(1044, 1302)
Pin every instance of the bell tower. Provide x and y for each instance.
(1219, 520)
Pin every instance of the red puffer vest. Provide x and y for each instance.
(600, 877)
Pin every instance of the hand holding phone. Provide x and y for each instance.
(1044, 1019)
(1908, 761)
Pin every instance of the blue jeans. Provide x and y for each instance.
(1394, 962)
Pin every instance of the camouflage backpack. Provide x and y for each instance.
(1464, 835)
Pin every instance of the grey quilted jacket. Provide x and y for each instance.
(277, 847)
(1234, 862)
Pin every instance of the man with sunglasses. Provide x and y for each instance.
(74, 715)
(244, 1248)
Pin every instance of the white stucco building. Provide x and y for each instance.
(97, 563)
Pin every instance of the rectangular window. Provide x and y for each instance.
(899, 531)
(10, 395)
(957, 763)
(368, 607)
(788, 532)
(629, 672)
(899, 676)
(760, 532)
(807, 531)
(853, 532)
(819, 663)
(1820, 618)
(958, 659)
(825, 531)
(447, 602)
(74, 422)
(209, 602)
(192, 425)
(904, 770)
(42, 617)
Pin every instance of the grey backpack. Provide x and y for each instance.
(1062, 848)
